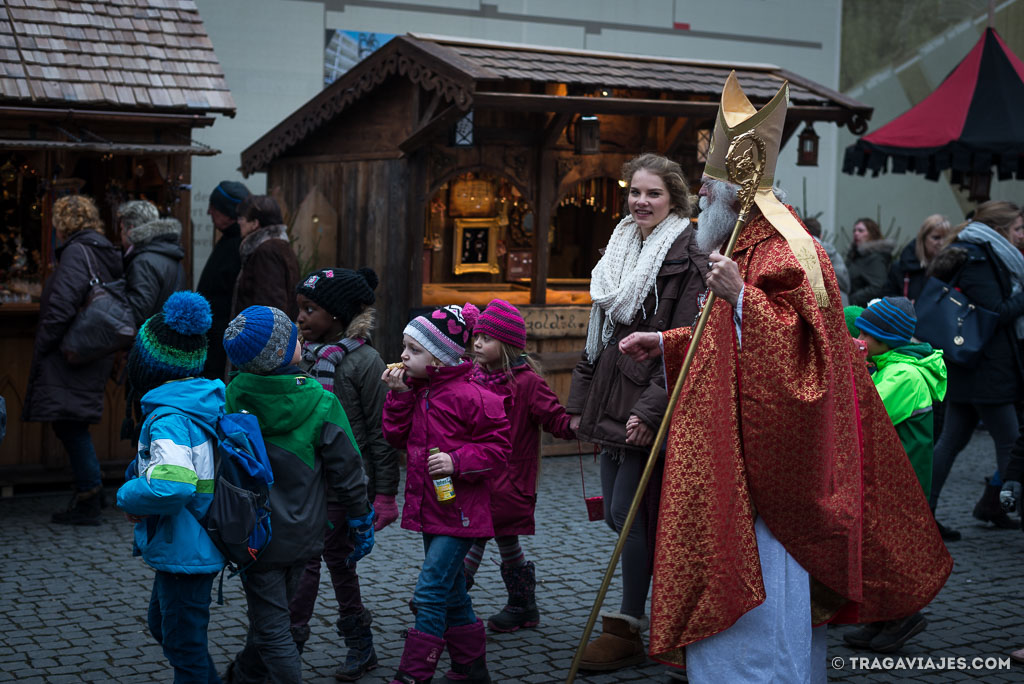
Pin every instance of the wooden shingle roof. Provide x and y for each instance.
(489, 75)
(121, 54)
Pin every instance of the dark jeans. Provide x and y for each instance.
(270, 651)
(440, 595)
(337, 547)
(619, 481)
(961, 419)
(179, 613)
(74, 435)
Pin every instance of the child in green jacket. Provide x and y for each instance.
(311, 450)
(910, 376)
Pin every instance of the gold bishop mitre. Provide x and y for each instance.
(736, 116)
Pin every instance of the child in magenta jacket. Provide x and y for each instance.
(499, 350)
(435, 403)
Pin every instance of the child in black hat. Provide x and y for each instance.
(336, 318)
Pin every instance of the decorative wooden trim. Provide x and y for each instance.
(398, 57)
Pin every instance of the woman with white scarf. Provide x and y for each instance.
(649, 279)
(991, 275)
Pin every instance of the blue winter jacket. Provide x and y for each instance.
(171, 480)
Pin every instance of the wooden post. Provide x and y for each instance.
(542, 220)
(545, 200)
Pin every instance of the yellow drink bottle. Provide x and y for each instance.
(443, 486)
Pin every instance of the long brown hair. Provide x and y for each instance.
(998, 215)
(670, 173)
(510, 354)
(874, 232)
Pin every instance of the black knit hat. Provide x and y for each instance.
(226, 197)
(340, 292)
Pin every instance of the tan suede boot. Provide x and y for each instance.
(620, 644)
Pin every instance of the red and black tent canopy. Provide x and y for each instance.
(973, 121)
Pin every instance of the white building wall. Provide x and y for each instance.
(272, 54)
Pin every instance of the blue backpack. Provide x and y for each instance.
(238, 520)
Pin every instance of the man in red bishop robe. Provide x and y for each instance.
(788, 502)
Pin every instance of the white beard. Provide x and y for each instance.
(716, 219)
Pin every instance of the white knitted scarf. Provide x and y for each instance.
(624, 276)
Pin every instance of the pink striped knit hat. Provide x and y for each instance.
(503, 322)
(445, 332)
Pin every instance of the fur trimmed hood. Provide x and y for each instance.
(257, 237)
(885, 246)
(362, 325)
(161, 227)
(947, 263)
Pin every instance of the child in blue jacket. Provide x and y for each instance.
(170, 482)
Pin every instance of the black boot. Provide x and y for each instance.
(361, 657)
(948, 533)
(84, 509)
(300, 635)
(988, 509)
(521, 610)
(898, 632)
(862, 636)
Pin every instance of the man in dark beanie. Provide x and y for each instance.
(217, 281)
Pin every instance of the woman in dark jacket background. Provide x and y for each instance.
(220, 274)
(907, 275)
(71, 397)
(648, 279)
(152, 257)
(270, 269)
(868, 262)
(991, 275)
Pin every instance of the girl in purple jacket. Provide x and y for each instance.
(499, 349)
(434, 404)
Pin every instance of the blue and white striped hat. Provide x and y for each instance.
(891, 320)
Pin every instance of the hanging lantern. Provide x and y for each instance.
(588, 135)
(807, 150)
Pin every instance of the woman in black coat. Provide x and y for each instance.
(71, 397)
(907, 275)
(867, 262)
(990, 273)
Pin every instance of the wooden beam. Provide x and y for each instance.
(674, 136)
(554, 129)
(573, 104)
(541, 247)
(428, 130)
(431, 108)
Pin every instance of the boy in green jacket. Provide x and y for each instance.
(910, 376)
(311, 449)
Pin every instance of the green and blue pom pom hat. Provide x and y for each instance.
(171, 344)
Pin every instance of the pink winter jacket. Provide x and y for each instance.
(534, 407)
(461, 417)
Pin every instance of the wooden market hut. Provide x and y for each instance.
(437, 161)
(99, 98)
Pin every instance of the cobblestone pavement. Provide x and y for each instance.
(73, 601)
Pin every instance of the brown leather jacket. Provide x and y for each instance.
(605, 393)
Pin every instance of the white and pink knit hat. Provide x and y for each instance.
(446, 332)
